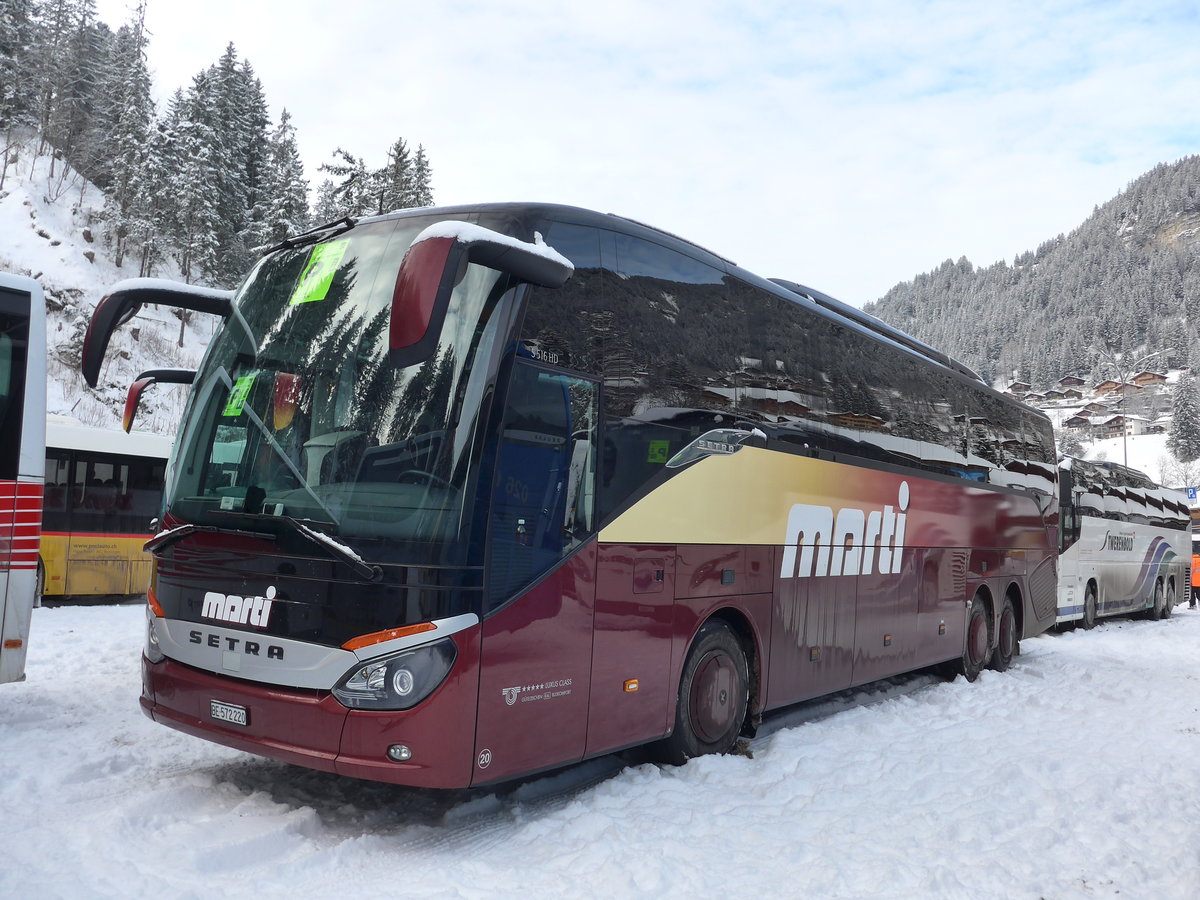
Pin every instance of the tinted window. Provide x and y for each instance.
(104, 494)
(648, 323)
(14, 337)
(58, 491)
(681, 347)
(543, 496)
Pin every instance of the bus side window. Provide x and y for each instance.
(543, 499)
(1067, 527)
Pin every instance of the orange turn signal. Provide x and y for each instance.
(366, 640)
(155, 606)
(631, 686)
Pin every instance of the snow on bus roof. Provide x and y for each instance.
(469, 234)
(65, 433)
(166, 284)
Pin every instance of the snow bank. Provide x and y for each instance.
(1073, 775)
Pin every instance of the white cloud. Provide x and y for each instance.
(848, 146)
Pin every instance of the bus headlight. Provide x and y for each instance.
(399, 681)
(153, 652)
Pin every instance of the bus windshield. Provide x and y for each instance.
(297, 413)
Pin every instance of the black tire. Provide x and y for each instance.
(39, 585)
(1168, 601)
(1091, 608)
(1008, 642)
(714, 693)
(978, 643)
(1155, 612)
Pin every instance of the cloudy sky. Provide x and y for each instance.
(845, 145)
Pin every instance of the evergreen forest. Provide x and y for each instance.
(1114, 295)
(204, 182)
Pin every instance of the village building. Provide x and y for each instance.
(1146, 379)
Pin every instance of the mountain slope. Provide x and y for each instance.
(1123, 282)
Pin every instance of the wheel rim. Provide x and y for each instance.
(1089, 608)
(977, 639)
(713, 701)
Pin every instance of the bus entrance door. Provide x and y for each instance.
(541, 578)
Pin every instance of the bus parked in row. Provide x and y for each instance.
(103, 489)
(463, 494)
(22, 423)
(1125, 543)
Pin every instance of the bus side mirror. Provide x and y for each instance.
(286, 400)
(126, 298)
(143, 381)
(437, 261)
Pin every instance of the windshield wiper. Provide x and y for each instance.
(320, 233)
(165, 539)
(366, 570)
(334, 548)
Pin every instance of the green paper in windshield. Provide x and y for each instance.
(318, 275)
(237, 397)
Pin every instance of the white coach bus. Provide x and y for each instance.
(22, 461)
(1124, 543)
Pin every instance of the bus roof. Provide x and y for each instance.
(821, 303)
(64, 433)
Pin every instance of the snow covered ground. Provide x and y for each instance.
(1074, 775)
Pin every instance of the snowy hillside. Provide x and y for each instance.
(1146, 408)
(1125, 279)
(51, 228)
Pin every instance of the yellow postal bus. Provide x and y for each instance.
(103, 487)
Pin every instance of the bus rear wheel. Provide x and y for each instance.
(979, 640)
(1007, 641)
(1090, 608)
(714, 692)
(1168, 602)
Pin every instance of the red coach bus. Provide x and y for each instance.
(462, 494)
(22, 462)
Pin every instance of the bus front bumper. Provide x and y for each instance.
(311, 728)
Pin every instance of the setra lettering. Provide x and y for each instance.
(236, 645)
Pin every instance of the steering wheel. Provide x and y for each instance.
(422, 475)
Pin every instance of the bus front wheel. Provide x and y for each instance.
(1156, 611)
(1090, 608)
(714, 692)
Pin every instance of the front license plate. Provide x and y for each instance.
(227, 712)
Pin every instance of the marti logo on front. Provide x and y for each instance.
(252, 611)
(854, 542)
